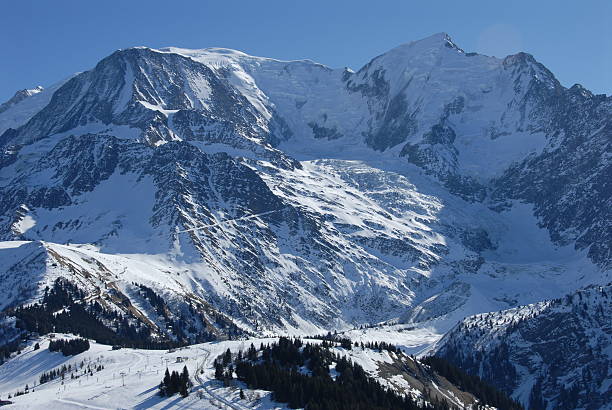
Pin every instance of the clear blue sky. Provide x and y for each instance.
(44, 41)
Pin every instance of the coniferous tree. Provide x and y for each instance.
(174, 382)
(473, 384)
(184, 382)
(164, 385)
(69, 347)
(227, 357)
(219, 371)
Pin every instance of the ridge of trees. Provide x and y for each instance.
(69, 347)
(7, 349)
(61, 372)
(63, 309)
(347, 343)
(59, 311)
(486, 393)
(299, 374)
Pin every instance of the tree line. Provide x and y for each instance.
(69, 347)
(486, 393)
(62, 371)
(280, 367)
(330, 340)
(59, 311)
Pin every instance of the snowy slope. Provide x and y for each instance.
(388, 253)
(397, 97)
(552, 354)
(129, 378)
(137, 388)
(24, 104)
(406, 191)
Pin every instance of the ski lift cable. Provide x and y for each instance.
(229, 220)
(148, 239)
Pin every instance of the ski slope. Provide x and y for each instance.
(129, 379)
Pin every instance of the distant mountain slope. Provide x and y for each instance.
(19, 97)
(429, 185)
(553, 354)
(24, 105)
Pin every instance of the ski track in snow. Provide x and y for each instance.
(242, 218)
(143, 370)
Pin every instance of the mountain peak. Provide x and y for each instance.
(419, 49)
(435, 41)
(435, 38)
(20, 96)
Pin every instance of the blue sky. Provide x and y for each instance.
(44, 41)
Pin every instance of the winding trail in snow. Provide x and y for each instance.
(229, 220)
(81, 405)
(204, 382)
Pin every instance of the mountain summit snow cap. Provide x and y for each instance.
(435, 41)
(438, 39)
(418, 50)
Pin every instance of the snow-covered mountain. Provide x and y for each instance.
(289, 196)
(19, 97)
(552, 354)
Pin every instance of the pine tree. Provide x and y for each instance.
(184, 383)
(174, 383)
(165, 384)
(162, 389)
(218, 371)
(167, 378)
(227, 357)
(252, 353)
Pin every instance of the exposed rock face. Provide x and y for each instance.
(553, 354)
(570, 182)
(292, 196)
